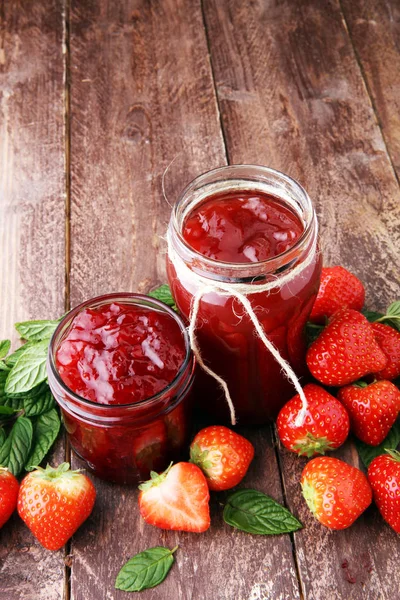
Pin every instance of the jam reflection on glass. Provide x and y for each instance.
(120, 354)
(247, 227)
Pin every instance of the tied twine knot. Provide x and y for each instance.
(240, 291)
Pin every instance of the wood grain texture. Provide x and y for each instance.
(374, 27)
(141, 95)
(292, 97)
(220, 564)
(32, 245)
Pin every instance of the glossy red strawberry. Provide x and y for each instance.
(9, 487)
(223, 455)
(346, 350)
(54, 502)
(384, 477)
(338, 289)
(335, 492)
(177, 499)
(326, 424)
(388, 339)
(372, 409)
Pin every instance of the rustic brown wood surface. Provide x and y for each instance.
(96, 99)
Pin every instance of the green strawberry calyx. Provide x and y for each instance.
(310, 445)
(53, 473)
(310, 496)
(206, 460)
(395, 454)
(155, 479)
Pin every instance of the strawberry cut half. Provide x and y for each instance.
(177, 499)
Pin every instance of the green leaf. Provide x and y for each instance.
(12, 359)
(5, 346)
(145, 570)
(394, 310)
(40, 403)
(3, 366)
(368, 453)
(164, 294)
(45, 431)
(29, 370)
(35, 331)
(371, 315)
(255, 512)
(16, 448)
(3, 437)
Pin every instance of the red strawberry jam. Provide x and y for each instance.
(121, 370)
(242, 228)
(246, 235)
(120, 353)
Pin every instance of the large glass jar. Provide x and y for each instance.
(225, 334)
(123, 443)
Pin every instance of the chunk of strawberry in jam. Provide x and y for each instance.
(242, 227)
(120, 353)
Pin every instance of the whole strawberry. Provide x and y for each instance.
(384, 477)
(325, 427)
(372, 408)
(223, 455)
(335, 492)
(338, 289)
(177, 499)
(54, 502)
(8, 495)
(388, 339)
(346, 350)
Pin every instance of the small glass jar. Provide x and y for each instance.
(123, 443)
(225, 333)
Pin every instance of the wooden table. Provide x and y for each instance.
(96, 99)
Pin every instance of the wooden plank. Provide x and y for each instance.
(292, 97)
(32, 245)
(374, 27)
(141, 95)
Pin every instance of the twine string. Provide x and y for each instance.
(240, 291)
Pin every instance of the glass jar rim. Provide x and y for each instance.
(270, 264)
(141, 300)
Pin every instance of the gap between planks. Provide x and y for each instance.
(67, 166)
(368, 91)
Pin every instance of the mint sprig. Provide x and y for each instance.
(29, 419)
(145, 570)
(257, 513)
(164, 294)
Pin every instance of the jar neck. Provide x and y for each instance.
(238, 178)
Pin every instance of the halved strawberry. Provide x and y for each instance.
(326, 424)
(177, 499)
(335, 492)
(346, 350)
(338, 289)
(372, 408)
(223, 455)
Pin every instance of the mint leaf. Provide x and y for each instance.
(164, 294)
(35, 331)
(3, 379)
(3, 366)
(15, 449)
(255, 512)
(12, 359)
(45, 431)
(3, 437)
(372, 316)
(5, 346)
(39, 403)
(145, 570)
(368, 453)
(29, 370)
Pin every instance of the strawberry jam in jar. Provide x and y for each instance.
(241, 228)
(121, 370)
